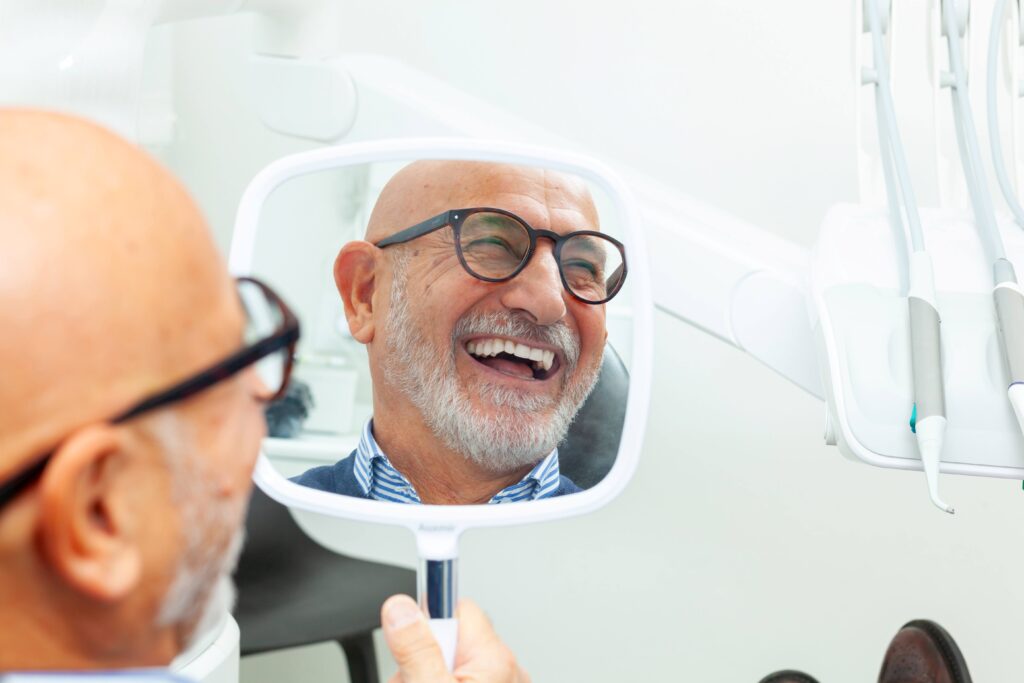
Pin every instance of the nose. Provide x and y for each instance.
(537, 289)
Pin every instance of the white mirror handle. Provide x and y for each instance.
(437, 588)
(447, 633)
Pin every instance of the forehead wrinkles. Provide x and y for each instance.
(425, 188)
(544, 199)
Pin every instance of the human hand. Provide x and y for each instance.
(480, 657)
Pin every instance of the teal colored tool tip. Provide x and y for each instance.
(913, 419)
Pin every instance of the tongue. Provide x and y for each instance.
(509, 367)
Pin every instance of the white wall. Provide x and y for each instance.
(743, 545)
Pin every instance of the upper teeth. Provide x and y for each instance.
(542, 358)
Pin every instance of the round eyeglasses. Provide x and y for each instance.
(495, 245)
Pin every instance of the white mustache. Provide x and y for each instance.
(558, 335)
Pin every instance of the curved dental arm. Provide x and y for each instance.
(286, 28)
(1008, 296)
(929, 413)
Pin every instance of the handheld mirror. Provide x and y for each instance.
(476, 338)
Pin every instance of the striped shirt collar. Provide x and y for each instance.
(378, 479)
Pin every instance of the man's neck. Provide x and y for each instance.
(39, 639)
(440, 475)
(23, 653)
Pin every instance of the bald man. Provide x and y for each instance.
(131, 417)
(479, 292)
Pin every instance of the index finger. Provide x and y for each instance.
(474, 626)
(481, 655)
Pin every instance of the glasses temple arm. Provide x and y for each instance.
(418, 230)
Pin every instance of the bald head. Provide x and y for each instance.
(112, 290)
(107, 265)
(426, 188)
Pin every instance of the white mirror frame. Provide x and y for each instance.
(456, 518)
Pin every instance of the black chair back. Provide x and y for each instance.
(292, 591)
(589, 450)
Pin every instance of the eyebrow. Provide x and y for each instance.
(496, 218)
(588, 243)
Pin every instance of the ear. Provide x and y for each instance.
(87, 525)
(355, 275)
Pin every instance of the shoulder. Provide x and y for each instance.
(337, 478)
(566, 486)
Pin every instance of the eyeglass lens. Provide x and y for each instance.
(494, 245)
(263, 319)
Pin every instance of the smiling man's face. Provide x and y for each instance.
(497, 370)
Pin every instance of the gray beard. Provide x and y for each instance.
(202, 603)
(527, 427)
(202, 593)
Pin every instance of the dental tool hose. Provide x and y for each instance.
(1008, 292)
(1008, 296)
(995, 140)
(928, 420)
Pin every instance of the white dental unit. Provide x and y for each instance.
(833, 319)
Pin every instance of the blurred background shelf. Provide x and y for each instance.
(309, 449)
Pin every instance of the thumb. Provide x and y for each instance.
(411, 642)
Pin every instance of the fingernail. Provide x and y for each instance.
(402, 611)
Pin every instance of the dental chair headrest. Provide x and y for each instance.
(589, 450)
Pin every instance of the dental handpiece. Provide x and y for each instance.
(929, 417)
(1009, 300)
(1008, 296)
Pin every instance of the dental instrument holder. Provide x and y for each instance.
(863, 334)
(437, 586)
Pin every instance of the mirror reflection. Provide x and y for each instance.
(464, 330)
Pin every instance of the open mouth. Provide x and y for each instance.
(514, 358)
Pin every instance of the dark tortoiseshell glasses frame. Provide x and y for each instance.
(285, 337)
(455, 219)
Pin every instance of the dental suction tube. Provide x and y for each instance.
(967, 138)
(995, 139)
(1008, 294)
(928, 419)
(1009, 299)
